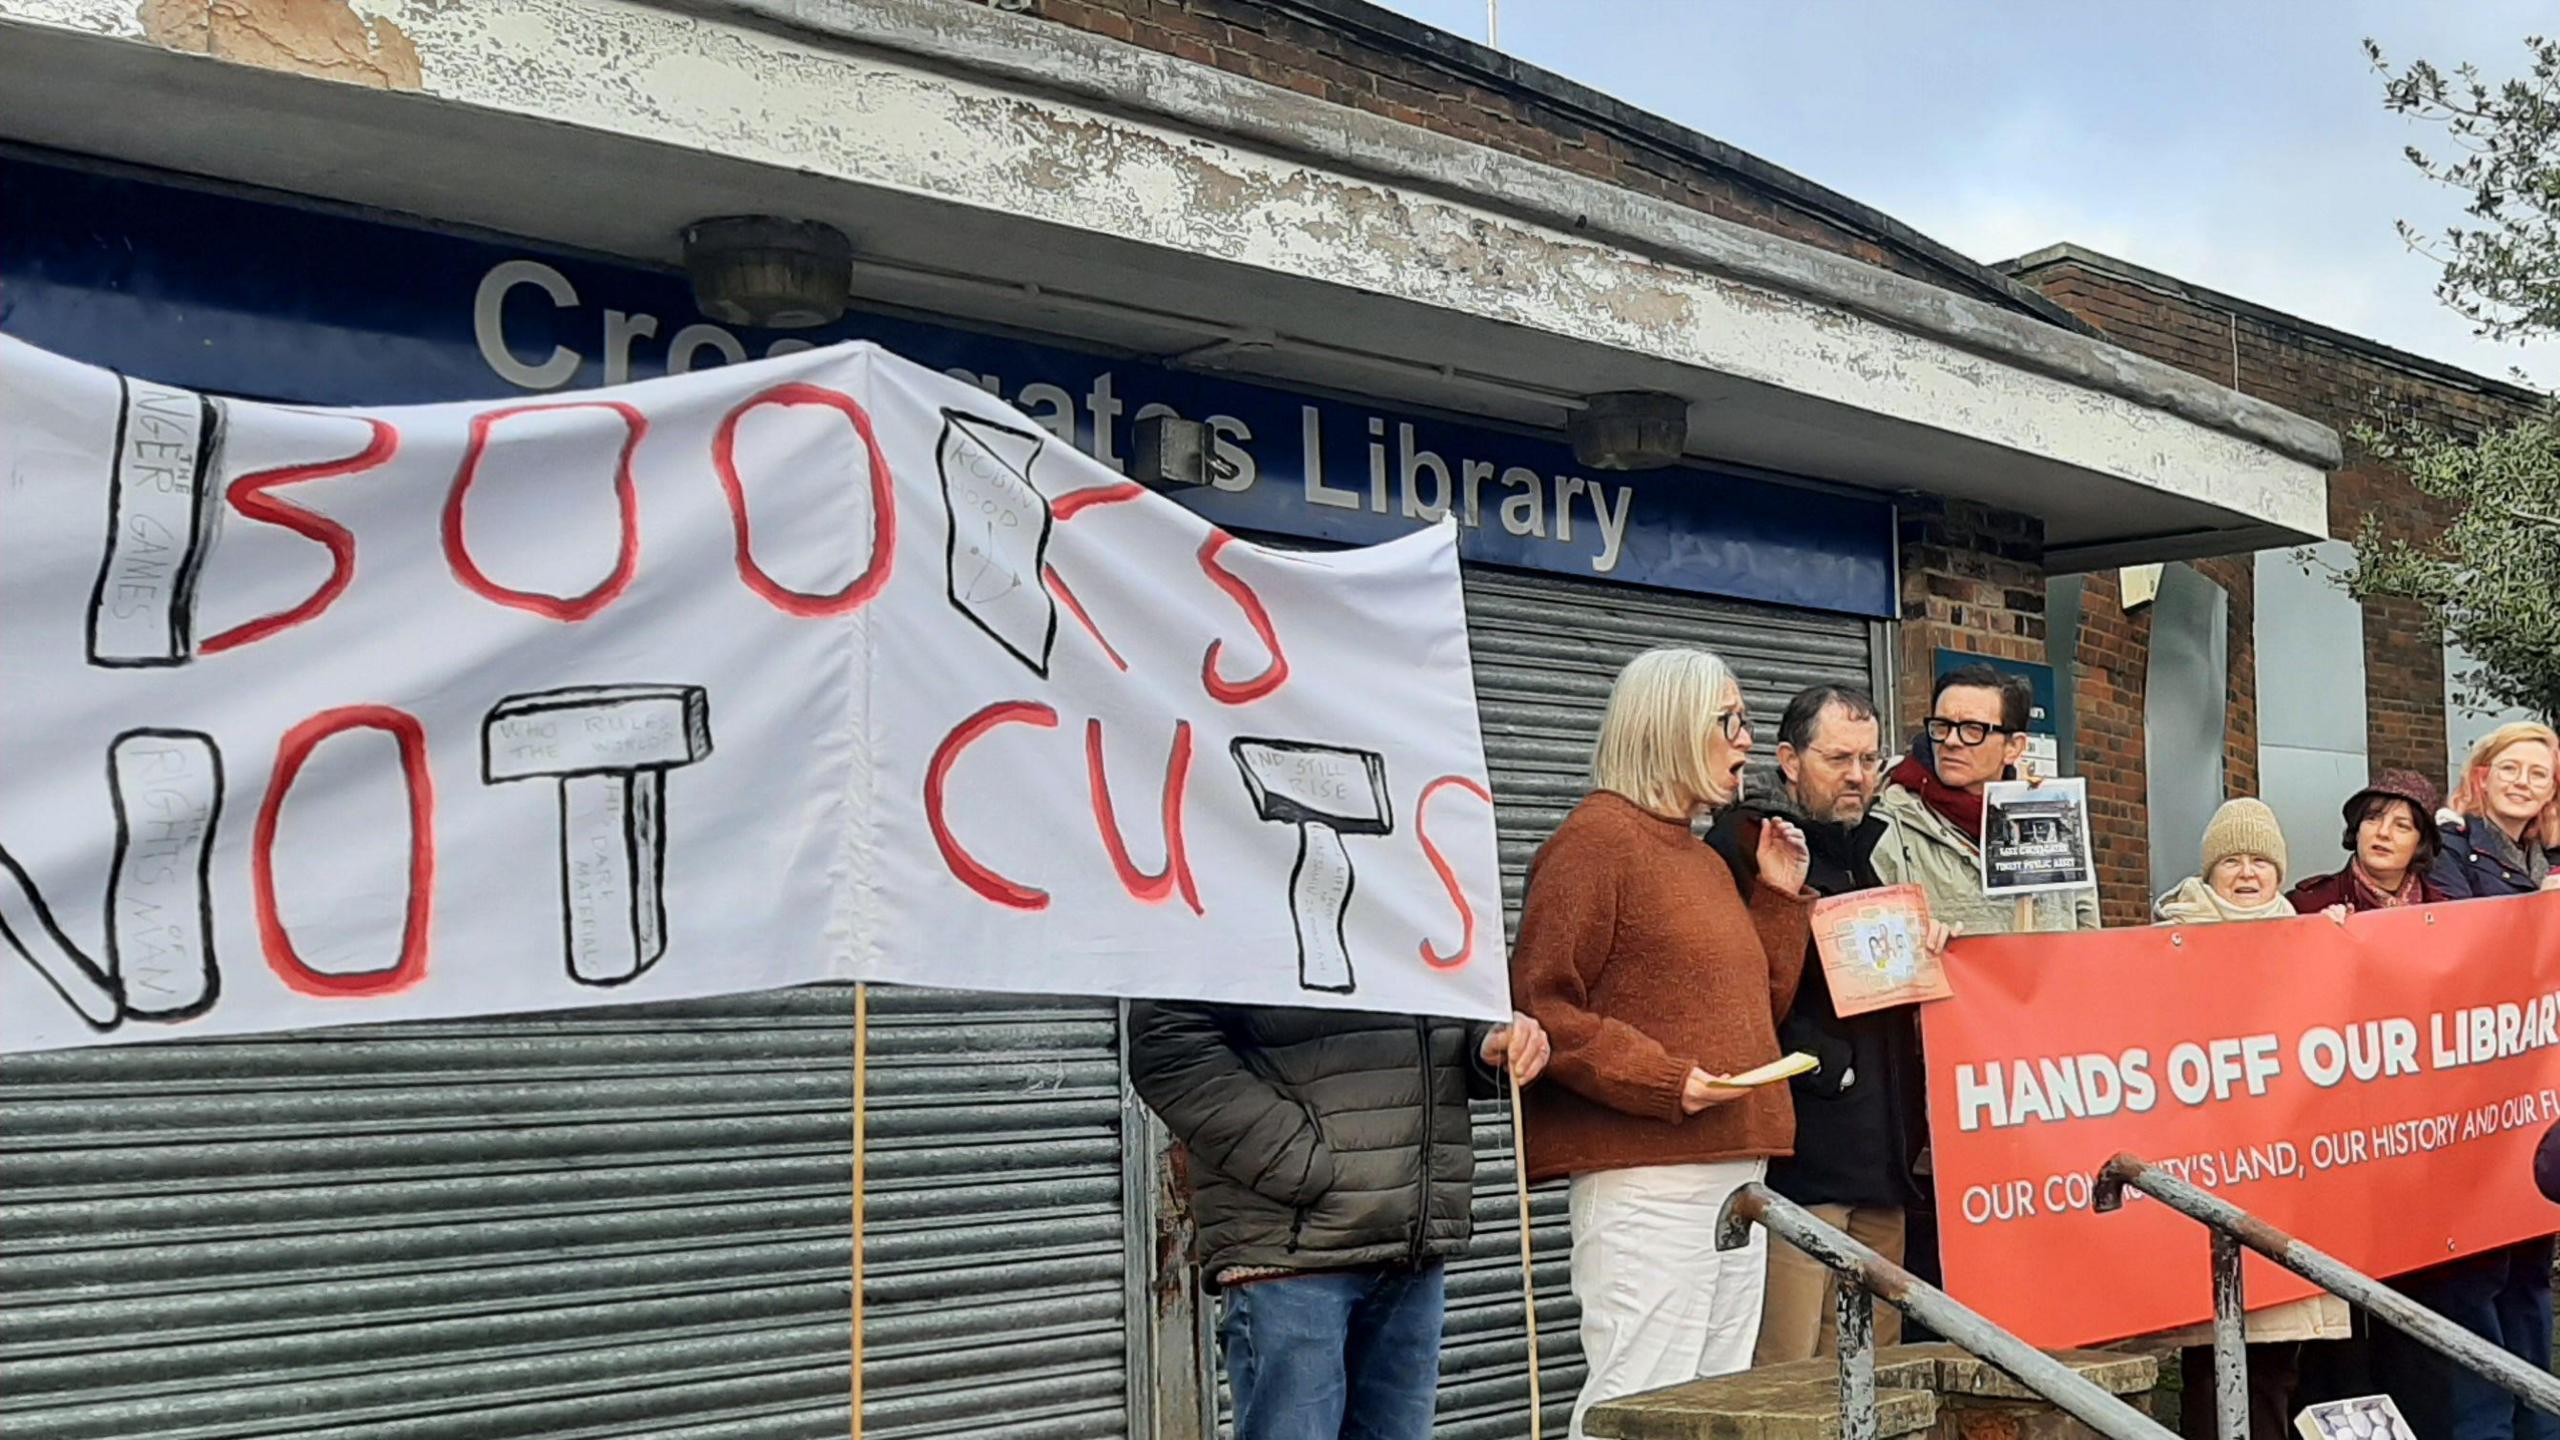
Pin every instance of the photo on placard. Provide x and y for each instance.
(2035, 837)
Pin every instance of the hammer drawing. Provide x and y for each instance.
(610, 747)
(1327, 792)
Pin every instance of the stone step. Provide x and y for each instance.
(1935, 1390)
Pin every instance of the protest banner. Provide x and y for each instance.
(825, 667)
(2375, 1089)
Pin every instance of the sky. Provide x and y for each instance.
(2240, 145)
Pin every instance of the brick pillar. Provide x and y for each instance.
(2113, 661)
(1972, 580)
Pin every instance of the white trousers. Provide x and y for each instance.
(1660, 1305)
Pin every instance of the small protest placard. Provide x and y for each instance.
(2035, 837)
(1874, 948)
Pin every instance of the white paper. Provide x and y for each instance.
(825, 667)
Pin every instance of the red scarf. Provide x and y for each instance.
(1961, 808)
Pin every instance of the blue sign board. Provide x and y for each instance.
(230, 294)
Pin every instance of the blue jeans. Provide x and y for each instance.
(2504, 1297)
(1348, 1355)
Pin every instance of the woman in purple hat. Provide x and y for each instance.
(2392, 842)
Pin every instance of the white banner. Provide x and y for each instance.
(826, 667)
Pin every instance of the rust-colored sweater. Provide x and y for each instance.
(1643, 961)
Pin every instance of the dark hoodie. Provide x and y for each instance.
(1859, 1121)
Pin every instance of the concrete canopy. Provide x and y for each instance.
(1023, 175)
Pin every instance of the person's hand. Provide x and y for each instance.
(1704, 1090)
(1784, 857)
(2551, 881)
(1941, 935)
(1521, 1047)
(2337, 914)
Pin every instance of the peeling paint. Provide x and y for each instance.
(323, 38)
(877, 121)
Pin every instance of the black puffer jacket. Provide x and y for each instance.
(1318, 1139)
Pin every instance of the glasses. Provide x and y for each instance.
(1734, 724)
(2511, 771)
(1964, 732)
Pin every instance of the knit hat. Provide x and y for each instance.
(2408, 785)
(2244, 827)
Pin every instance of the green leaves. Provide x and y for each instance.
(2492, 576)
(2504, 156)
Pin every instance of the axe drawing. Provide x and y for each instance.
(1327, 792)
(999, 539)
(610, 747)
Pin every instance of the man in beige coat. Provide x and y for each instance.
(1932, 807)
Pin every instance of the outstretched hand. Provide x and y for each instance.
(1784, 857)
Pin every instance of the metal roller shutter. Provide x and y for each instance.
(621, 1224)
(1545, 651)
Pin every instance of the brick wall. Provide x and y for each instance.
(1426, 81)
(2111, 673)
(1972, 580)
(2340, 381)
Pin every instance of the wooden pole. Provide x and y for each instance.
(1528, 1275)
(861, 1106)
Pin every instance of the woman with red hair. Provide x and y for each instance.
(2499, 832)
(2503, 832)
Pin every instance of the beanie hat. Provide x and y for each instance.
(2244, 827)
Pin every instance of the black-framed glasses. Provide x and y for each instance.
(1734, 724)
(1963, 732)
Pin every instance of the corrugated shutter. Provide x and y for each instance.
(610, 1225)
(1545, 651)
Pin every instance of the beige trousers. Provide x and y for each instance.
(1799, 1319)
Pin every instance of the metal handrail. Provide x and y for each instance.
(1865, 1275)
(2234, 1228)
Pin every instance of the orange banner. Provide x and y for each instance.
(2376, 1090)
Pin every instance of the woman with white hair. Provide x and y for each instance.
(1656, 978)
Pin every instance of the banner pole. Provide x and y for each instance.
(1528, 1275)
(861, 1101)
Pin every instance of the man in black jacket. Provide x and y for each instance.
(1859, 1122)
(1332, 1166)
